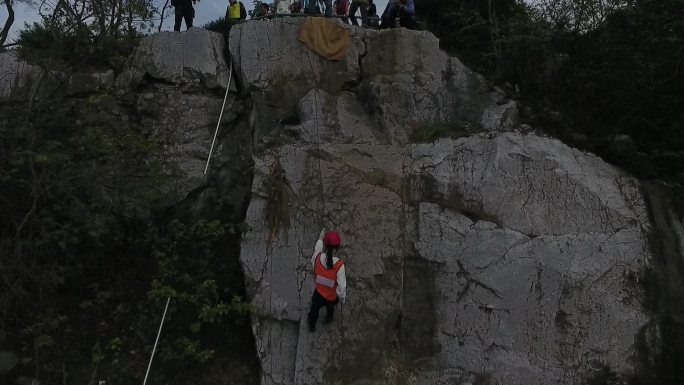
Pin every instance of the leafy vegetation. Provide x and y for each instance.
(605, 75)
(85, 32)
(48, 46)
(436, 130)
(92, 246)
(607, 68)
(219, 25)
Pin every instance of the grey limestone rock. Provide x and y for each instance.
(18, 79)
(541, 296)
(187, 123)
(501, 257)
(402, 78)
(183, 57)
(84, 82)
(269, 58)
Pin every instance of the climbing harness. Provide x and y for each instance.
(218, 124)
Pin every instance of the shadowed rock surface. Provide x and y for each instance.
(17, 77)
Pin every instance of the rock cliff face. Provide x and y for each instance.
(493, 256)
(173, 88)
(501, 257)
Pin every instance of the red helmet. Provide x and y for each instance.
(331, 238)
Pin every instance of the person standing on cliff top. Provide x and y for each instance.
(311, 7)
(361, 5)
(406, 11)
(372, 15)
(236, 12)
(329, 276)
(183, 9)
(341, 8)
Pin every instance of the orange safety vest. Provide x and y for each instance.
(326, 279)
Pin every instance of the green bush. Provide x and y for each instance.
(219, 25)
(91, 247)
(47, 44)
(431, 132)
(609, 68)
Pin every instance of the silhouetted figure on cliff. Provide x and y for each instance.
(404, 9)
(183, 10)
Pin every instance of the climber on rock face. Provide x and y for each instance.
(331, 283)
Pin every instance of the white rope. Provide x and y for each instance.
(218, 124)
(157, 340)
(206, 168)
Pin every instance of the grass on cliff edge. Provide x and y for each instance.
(436, 130)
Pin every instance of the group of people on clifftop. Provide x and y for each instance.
(347, 10)
(185, 10)
(403, 11)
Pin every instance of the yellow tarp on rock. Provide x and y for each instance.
(324, 37)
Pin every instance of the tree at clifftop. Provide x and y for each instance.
(610, 67)
(87, 30)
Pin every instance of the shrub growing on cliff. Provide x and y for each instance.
(437, 130)
(88, 31)
(219, 25)
(47, 45)
(608, 67)
(90, 248)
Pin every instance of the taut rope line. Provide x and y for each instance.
(218, 124)
(149, 365)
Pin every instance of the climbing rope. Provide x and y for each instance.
(206, 168)
(149, 365)
(318, 155)
(218, 124)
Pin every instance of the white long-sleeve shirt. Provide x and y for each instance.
(341, 277)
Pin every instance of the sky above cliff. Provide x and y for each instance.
(206, 11)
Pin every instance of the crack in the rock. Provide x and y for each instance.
(464, 273)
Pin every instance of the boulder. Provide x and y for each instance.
(531, 292)
(186, 122)
(84, 82)
(18, 79)
(400, 77)
(177, 57)
(449, 277)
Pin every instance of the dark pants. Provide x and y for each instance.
(184, 13)
(390, 15)
(317, 302)
(313, 9)
(230, 23)
(364, 13)
(407, 22)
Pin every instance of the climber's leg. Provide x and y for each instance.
(317, 301)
